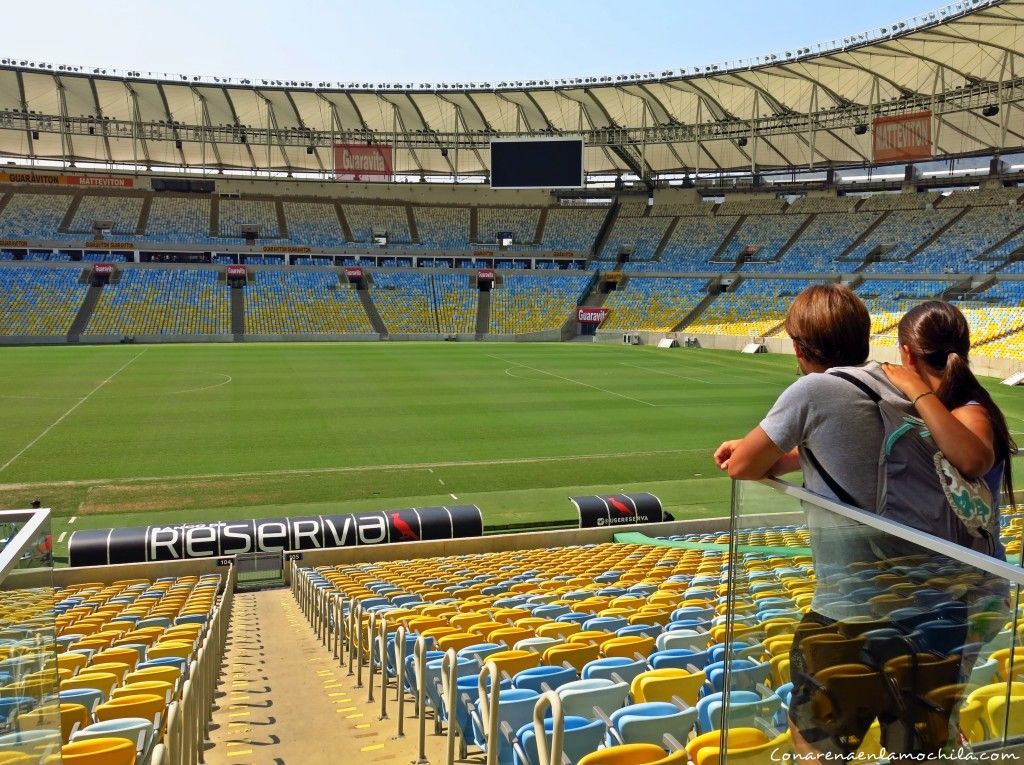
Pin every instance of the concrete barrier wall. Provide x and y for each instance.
(531, 540)
(63, 577)
(881, 350)
(313, 338)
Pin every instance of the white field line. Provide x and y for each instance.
(574, 382)
(227, 379)
(72, 519)
(74, 406)
(428, 466)
(61, 537)
(669, 374)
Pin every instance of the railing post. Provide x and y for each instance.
(544, 757)
(400, 671)
(383, 637)
(488, 706)
(351, 631)
(420, 663)
(357, 635)
(371, 639)
(449, 680)
(335, 607)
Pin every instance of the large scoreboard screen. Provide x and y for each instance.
(543, 163)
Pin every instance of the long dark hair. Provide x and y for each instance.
(937, 334)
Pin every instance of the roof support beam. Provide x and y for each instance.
(99, 116)
(242, 134)
(208, 124)
(138, 138)
(24, 111)
(66, 145)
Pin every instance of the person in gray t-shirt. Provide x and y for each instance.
(827, 415)
(830, 328)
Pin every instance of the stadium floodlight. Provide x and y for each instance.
(990, 111)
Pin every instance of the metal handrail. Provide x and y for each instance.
(928, 541)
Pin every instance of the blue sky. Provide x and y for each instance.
(405, 41)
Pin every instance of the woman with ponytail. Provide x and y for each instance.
(964, 421)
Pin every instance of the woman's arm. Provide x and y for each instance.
(963, 435)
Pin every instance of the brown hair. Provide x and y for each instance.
(938, 337)
(830, 326)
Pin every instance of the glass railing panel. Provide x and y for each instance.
(30, 713)
(856, 637)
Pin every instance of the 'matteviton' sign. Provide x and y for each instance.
(358, 162)
(104, 547)
(902, 138)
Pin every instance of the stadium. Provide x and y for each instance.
(375, 420)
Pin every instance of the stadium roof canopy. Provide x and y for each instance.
(806, 107)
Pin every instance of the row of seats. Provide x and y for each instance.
(910, 219)
(656, 305)
(292, 302)
(234, 213)
(520, 222)
(751, 310)
(523, 304)
(39, 301)
(192, 301)
(163, 301)
(92, 671)
(632, 642)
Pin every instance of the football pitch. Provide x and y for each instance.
(133, 435)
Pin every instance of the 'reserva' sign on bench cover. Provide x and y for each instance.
(102, 547)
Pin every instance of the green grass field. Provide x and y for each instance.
(138, 435)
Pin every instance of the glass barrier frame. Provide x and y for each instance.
(32, 721)
(33, 522)
(738, 623)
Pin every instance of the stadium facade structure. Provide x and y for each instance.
(762, 149)
(796, 109)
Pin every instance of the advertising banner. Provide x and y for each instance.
(103, 244)
(54, 179)
(618, 509)
(103, 268)
(585, 315)
(902, 138)
(485, 275)
(358, 162)
(236, 271)
(103, 547)
(96, 181)
(353, 273)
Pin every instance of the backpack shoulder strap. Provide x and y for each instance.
(864, 387)
(841, 494)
